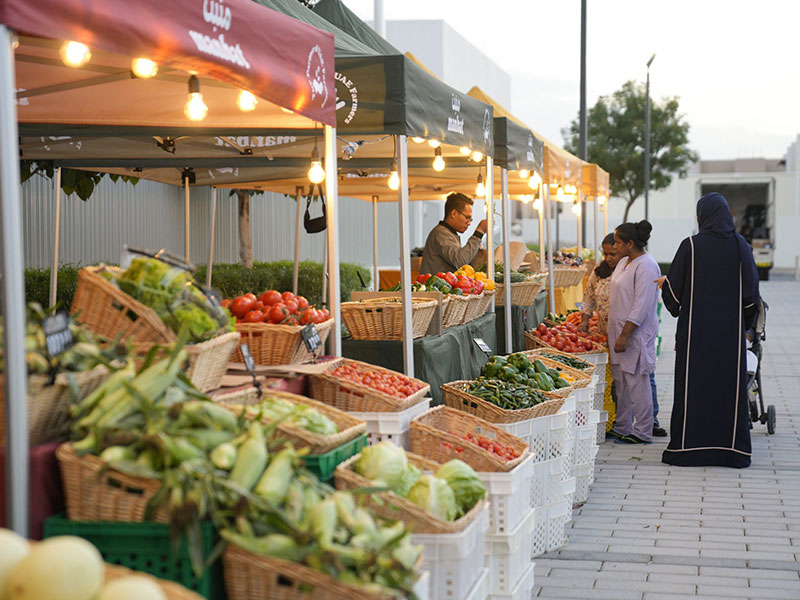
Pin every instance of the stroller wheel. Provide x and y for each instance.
(771, 419)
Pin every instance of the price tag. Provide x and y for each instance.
(311, 337)
(250, 364)
(483, 346)
(58, 337)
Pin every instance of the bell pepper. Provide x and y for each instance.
(423, 278)
(508, 373)
(491, 370)
(519, 360)
(450, 278)
(554, 374)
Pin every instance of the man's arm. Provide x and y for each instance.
(452, 252)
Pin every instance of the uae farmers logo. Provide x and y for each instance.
(315, 74)
(456, 122)
(487, 126)
(346, 97)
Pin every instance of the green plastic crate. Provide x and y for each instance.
(323, 465)
(146, 547)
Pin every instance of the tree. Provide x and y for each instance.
(616, 141)
(245, 240)
(73, 181)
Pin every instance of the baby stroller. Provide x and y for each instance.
(755, 396)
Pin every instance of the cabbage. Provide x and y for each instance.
(383, 462)
(466, 486)
(434, 496)
(410, 477)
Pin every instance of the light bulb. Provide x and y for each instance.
(438, 161)
(526, 198)
(480, 188)
(524, 174)
(464, 150)
(144, 68)
(394, 178)
(576, 208)
(417, 140)
(195, 109)
(534, 181)
(75, 54)
(246, 101)
(560, 194)
(434, 143)
(316, 174)
(477, 156)
(601, 200)
(537, 204)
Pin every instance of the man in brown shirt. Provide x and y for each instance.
(443, 250)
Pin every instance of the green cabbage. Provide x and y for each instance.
(467, 487)
(434, 496)
(410, 477)
(384, 462)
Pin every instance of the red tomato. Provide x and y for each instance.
(286, 296)
(259, 305)
(241, 306)
(271, 297)
(225, 303)
(326, 314)
(542, 328)
(250, 295)
(292, 320)
(301, 302)
(254, 316)
(308, 316)
(291, 305)
(277, 313)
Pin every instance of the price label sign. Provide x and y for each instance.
(248, 359)
(311, 337)
(483, 346)
(58, 337)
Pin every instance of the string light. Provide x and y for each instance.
(246, 101)
(144, 68)
(601, 200)
(417, 140)
(464, 150)
(480, 188)
(537, 204)
(394, 178)
(526, 198)
(434, 143)
(74, 54)
(438, 161)
(524, 174)
(195, 109)
(316, 174)
(477, 156)
(560, 194)
(534, 181)
(576, 208)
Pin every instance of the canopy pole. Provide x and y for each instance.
(325, 268)
(186, 221)
(332, 213)
(401, 144)
(13, 297)
(596, 241)
(548, 207)
(298, 192)
(56, 237)
(579, 246)
(210, 266)
(605, 217)
(376, 282)
(506, 257)
(539, 214)
(490, 222)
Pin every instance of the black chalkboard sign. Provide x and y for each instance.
(311, 337)
(57, 334)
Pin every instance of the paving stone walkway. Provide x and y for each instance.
(650, 531)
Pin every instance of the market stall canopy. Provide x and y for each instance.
(595, 182)
(238, 45)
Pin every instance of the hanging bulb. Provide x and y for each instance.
(74, 54)
(195, 109)
(246, 101)
(316, 174)
(537, 204)
(480, 188)
(534, 181)
(576, 208)
(601, 200)
(144, 68)
(560, 194)
(438, 161)
(394, 178)
(417, 140)
(524, 174)
(526, 198)
(434, 143)
(464, 150)
(477, 156)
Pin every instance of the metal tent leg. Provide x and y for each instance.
(548, 207)
(298, 193)
(376, 281)
(332, 212)
(210, 265)
(56, 239)
(405, 260)
(506, 258)
(490, 221)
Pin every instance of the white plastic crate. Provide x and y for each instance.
(509, 496)
(422, 588)
(508, 556)
(480, 591)
(596, 358)
(601, 426)
(455, 560)
(569, 493)
(586, 440)
(583, 404)
(583, 475)
(523, 589)
(392, 426)
(570, 403)
(550, 531)
(569, 456)
(546, 482)
(545, 436)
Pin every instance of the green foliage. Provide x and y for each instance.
(81, 183)
(37, 285)
(616, 141)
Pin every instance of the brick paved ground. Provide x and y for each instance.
(650, 531)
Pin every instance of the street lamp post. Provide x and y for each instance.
(647, 142)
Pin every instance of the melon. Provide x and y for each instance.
(132, 587)
(13, 548)
(59, 568)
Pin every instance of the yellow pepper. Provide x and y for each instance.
(466, 270)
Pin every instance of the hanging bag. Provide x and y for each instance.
(317, 224)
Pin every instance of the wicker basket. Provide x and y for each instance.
(349, 427)
(488, 296)
(444, 425)
(523, 293)
(540, 352)
(172, 590)
(564, 276)
(455, 310)
(251, 576)
(476, 307)
(382, 318)
(48, 405)
(355, 397)
(93, 492)
(394, 507)
(456, 397)
(534, 343)
(278, 344)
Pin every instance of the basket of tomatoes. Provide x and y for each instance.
(565, 337)
(271, 325)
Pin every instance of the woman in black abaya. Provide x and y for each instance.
(712, 287)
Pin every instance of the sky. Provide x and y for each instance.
(733, 64)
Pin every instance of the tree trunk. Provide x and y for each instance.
(631, 200)
(245, 241)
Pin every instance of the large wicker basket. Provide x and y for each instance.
(455, 310)
(564, 276)
(382, 318)
(279, 344)
(476, 307)
(355, 397)
(394, 507)
(588, 370)
(48, 405)
(251, 576)
(439, 435)
(172, 590)
(349, 427)
(93, 492)
(456, 397)
(534, 343)
(523, 293)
